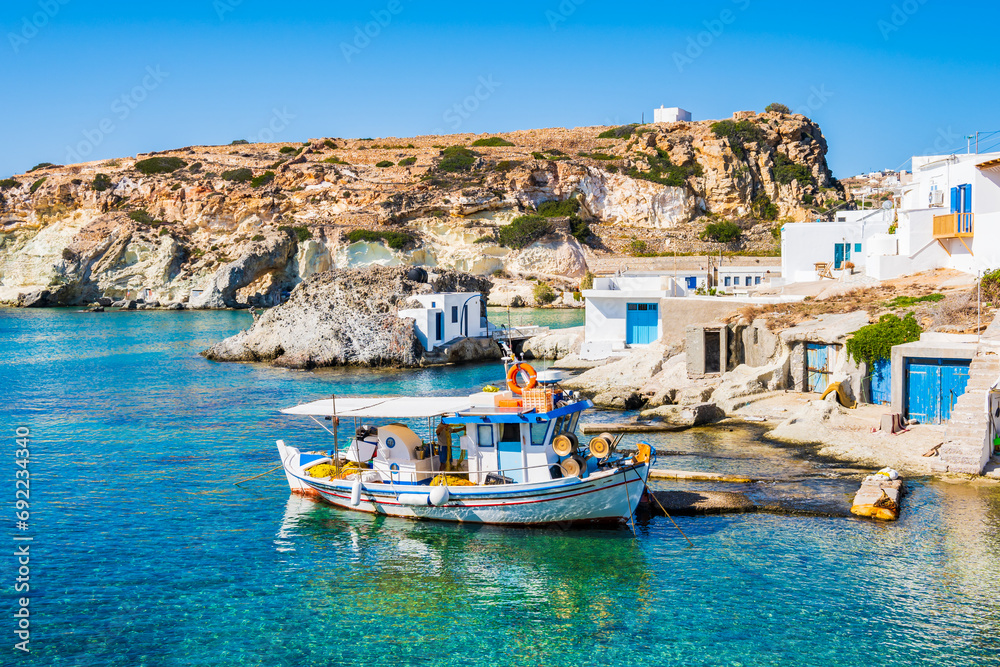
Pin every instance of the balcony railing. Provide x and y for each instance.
(954, 226)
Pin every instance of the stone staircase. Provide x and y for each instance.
(965, 448)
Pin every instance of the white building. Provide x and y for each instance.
(670, 115)
(625, 311)
(447, 316)
(804, 245)
(742, 278)
(949, 217)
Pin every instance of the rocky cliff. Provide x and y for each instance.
(343, 317)
(225, 226)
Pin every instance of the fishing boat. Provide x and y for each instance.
(495, 457)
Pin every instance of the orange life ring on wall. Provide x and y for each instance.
(515, 372)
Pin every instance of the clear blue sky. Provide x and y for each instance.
(884, 79)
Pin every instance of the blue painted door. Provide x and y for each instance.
(692, 282)
(880, 382)
(932, 388)
(817, 367)
(438, 326)
(642, 323)
(838, 255)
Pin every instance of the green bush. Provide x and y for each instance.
(544, 295)
(622, 132)
(739, 134)
(523, 231)
(538, 156)
(329, 143)
(159, 165)
(407, 162)
(456, 158)
(384, 163)
(143, 217)
(41, 165)
(764, 208)
(587, 282)
(786, 171)
(492, 141)
(638, 247)
(721, 232)
(8, 183)
(239, 142)
(37, 184)
(393, 239)
(602, 156)
(507, 165)
(101, 183)
(289, 150)
(257, 237)
(302, 233)
(907, 301)
(875, 342)
(164, 231)
(195, 168)
(559, 209)
(264, 179)
(664, 172)
(238, 175)
(485, 239)
(334, 160)
(776, 107)
(579, 228)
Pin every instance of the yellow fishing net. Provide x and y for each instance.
(325, 470)
(451, 480)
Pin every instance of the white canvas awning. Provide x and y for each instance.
(384, 407)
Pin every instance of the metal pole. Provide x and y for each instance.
(979, 307)
(336, 436)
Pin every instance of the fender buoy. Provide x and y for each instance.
(515, 373)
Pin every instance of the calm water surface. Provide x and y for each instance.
(146, 554)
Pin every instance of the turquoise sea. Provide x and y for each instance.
(145, 553)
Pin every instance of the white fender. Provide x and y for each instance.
(413, 499)
(356, 493)
(439, 496)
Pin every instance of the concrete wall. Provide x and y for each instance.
(677, 314)
(696, 349)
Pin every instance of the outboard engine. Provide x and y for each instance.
(365, 432)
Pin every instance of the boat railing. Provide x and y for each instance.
(398, 476)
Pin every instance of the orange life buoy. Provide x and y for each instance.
(515, 372)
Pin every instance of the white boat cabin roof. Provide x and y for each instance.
(384, 407)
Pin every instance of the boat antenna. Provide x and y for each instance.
(336, 436)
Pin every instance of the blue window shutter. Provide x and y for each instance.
(954, 200)
(857, 247)
(728, 281)
(967, 198)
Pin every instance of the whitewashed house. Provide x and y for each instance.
(742, 279)
(805, 245)
(624, 311)
(670, 115)
(447, 316)
(949, 217)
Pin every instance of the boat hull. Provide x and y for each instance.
(606, 496)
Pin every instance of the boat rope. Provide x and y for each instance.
(248, 479)
(631, 512)
(671, 518)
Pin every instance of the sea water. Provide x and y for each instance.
(144, 552)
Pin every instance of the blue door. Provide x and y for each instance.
(932, 388)
(642, 323)
(880, 382)
(692, 282)
(817, 367)
(438, 326)
(838, 255)
(510, 461)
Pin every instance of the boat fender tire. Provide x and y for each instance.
(438, 496)
(515, 372)
(356, 493)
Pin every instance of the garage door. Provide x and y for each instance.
(933, 386)
(642, 323)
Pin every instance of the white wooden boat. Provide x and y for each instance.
(509, 464)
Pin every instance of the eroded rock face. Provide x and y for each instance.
(619, 384)
(262, 257)
(342, 317)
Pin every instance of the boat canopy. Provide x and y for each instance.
(384, 407)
